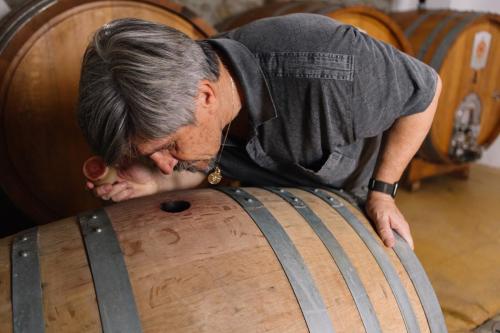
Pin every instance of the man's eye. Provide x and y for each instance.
(169, 147)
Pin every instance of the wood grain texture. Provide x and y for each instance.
(210, 269)
(403, 275)
(67, 286)
(5, 284)
(420, 169)
(41, 146)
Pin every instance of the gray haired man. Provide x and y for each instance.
(304, 100)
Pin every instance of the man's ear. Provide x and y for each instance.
(207, 98)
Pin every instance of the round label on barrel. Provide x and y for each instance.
(480, 49)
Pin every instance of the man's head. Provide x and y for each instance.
(140, 82)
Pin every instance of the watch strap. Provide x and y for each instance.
(380, 186)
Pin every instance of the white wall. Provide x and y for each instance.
(491, 156)
(478, 5)
(4, 8)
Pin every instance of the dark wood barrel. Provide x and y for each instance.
(376, 23)
(464, 47)
(215, 260)
(41, 48)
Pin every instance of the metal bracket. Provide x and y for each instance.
(27, 301)
(109, 272)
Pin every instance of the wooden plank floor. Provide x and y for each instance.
(456, 228)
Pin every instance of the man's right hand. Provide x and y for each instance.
(137, 180)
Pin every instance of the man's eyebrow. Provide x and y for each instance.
(167, 145)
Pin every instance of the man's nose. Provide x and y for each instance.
(164, 161)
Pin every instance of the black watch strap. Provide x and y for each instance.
(380, 186)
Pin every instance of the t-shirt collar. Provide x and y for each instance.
(243, 64)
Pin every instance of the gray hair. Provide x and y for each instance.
(139, 80)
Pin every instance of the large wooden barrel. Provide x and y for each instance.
(464, 47)
(373, 21)
(215, 260)
(41, 49)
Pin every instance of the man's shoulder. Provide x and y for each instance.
(294, 32)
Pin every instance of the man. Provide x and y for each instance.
(305, 101)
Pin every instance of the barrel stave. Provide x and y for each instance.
(210, 268)
(402, 273)
(212, 271)
(69, 299)
(329, 282)
(5, 285)
(381, 296)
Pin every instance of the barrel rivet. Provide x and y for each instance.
(295, 199)
(24, 239)
(98, 230)
(23, 254)
(316, 190)
(94, 217)
(331, 198)
(282, 190)
(248, 200)
(237, 190)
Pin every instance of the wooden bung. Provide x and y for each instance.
(41, 49)
(242, 260)
(96, 171)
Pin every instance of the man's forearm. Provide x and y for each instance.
(403, 140)
(179, 180)
(401, 144)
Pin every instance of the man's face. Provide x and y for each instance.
(191, 147)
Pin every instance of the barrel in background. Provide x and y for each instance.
(369, 19)
(225, 261)
(463, 47)
(41, 48)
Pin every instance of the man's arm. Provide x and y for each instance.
(137, 180)
(401, 143)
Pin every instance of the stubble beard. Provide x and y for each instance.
(194, 166)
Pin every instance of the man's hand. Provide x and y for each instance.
(382, 210)
(134, 180)
(137, 180)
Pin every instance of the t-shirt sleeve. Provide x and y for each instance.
(388, 84)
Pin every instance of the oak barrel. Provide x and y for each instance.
(464, 48)
(216, 260)
(369, 19)
(41, 48)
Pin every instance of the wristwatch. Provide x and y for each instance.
(380, 186)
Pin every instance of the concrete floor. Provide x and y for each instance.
(456, 228)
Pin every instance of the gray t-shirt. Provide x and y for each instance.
(320, 95)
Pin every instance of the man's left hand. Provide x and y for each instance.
(386, 216)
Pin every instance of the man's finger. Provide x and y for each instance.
(123, 195)
(103, 190)
(117, 188)
(385, 232)
(403, 229)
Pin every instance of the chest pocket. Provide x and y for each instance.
(335, 171)
(321, 65)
